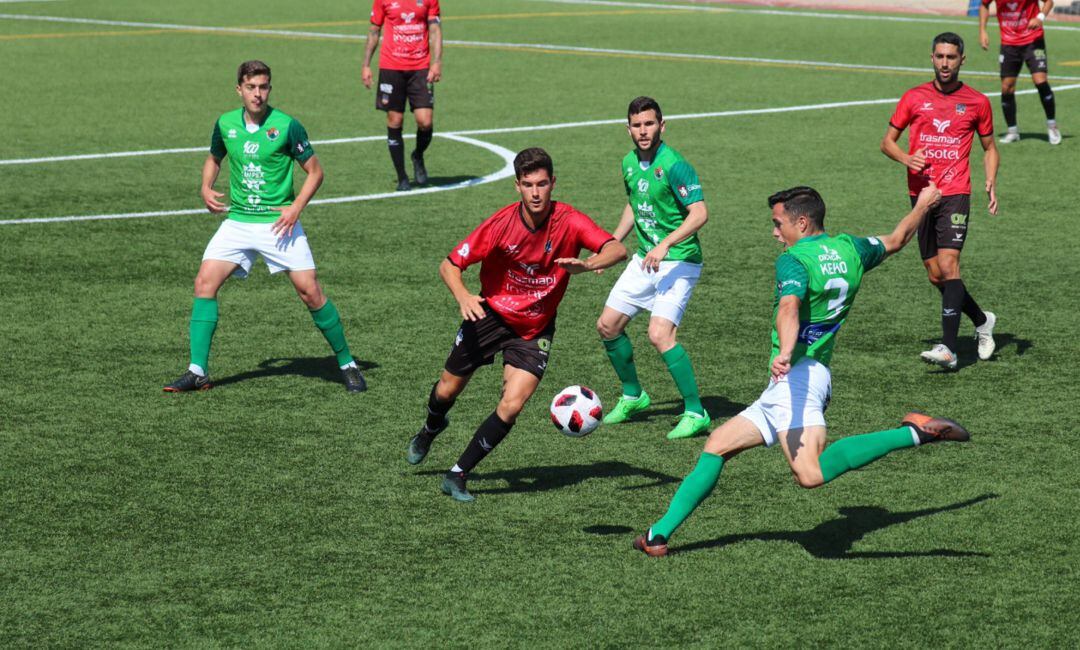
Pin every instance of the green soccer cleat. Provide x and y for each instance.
(690, 424)
(453, 485)
(627, 407)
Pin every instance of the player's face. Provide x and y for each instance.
(786, 230)
(535, 189)
(255, 92)
(645, 129)
(947, 61)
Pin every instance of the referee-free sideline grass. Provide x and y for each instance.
(276, 510)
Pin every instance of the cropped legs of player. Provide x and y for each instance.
(410, 64)
(666, 208)
(1022, 42)
(944, 117)
(261, 143)
(527, 252)
(811, 302)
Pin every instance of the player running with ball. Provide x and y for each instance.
(817, 278)
(527, 252)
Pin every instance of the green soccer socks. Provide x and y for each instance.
(695, 487)
(621, 353)
(855, 451)
(678, 363)
(204, 318)
(328, 321)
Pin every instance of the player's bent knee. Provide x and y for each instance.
(662, 340)
(807, 477)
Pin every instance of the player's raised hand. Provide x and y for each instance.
(365, 76)
(573, 265)
(780, 367)
(211, 199)
(917, 161)
(284, 225)
(991, 193)
(652, 260)
(929, 196)
(434, 72)
(472, 307)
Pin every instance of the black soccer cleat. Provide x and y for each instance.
(354, 380)
(453, 484)
(931, 429)
(655, 547)
(187, 382)
(403, 185)
(419, 170)
(420, 444)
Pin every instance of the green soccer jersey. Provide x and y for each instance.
(260, 162)
(659, 194)
(825, 272)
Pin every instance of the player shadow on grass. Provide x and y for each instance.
(325, 368)
(717, 407)
(1041, 135)
(557, 477)
(833, 539)
(967, 352)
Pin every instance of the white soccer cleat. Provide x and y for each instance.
(1054, 135)
(1010, 137)
(940, 355)
(984, 334)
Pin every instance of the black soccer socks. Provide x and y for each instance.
(490, 433)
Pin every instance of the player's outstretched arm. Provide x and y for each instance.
(472, 307)
(374, 32)
(696, 217)
(905, 230)
(610, 254)
(290, 214)
(891, 148)
(787, 329)
(211, 169)
(991, 159)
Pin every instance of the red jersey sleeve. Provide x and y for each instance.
(475, 247)
(901, 117)
(433, 12)
(590, 235)
(378, 13)
(985, 125)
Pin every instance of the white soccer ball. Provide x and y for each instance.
(576, 411)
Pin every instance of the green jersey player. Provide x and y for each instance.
(261, 143)
(817, 278)
(665, 207)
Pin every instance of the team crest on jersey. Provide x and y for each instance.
(961, 109)
(659, 173)
(272, 134)
(683, 192)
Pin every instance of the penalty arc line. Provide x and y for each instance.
(500, 130)
(506, 171)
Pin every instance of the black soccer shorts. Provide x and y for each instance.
(395, 86)
(1013, 56)
(478, 342)
(945, 225)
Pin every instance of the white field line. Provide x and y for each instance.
(792, 13)
(453, 135)
(551, 47)
(506, 171)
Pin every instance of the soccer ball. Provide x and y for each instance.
(576, 411)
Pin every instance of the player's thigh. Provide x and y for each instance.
(391, 95)
(308, 288)
(633, 291)
(948, 261)
(424, 118)
(802, 448)
(518, 386)
(734, 436)
(529, 355)
(611, 323)
(796, 401)
(212, 274)
(233, 243)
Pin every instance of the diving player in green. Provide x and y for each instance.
(817, 278)
(665, 207)
(261, 143)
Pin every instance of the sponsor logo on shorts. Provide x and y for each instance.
(386, 88)
(457, 339)
(544, 345)
(272, 134)
(958, 219)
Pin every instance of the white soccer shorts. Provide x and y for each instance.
(665, 293)
(798, 400)
(241, 243)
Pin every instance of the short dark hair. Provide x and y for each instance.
(801, 201)
(533, 159)
(949, 38)
(251, 69)
(642, 104)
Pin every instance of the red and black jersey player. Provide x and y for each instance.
(943, 118)
(527, 252)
